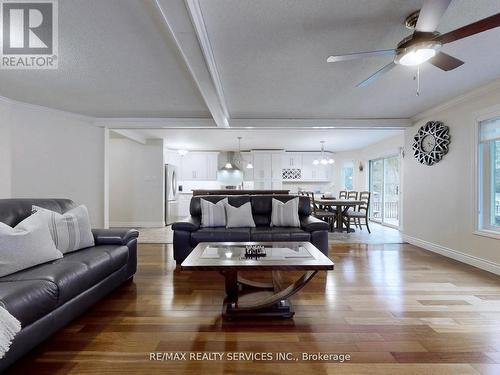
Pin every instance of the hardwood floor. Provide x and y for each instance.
(396, 309)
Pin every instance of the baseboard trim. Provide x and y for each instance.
(454, 254)
(139, 224)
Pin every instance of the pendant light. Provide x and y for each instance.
(249, 164)
(323, 160)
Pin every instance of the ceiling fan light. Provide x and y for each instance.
(324, 161)
(315, 162)
(417, 54)
(331, 161)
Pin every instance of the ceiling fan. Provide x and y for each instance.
(425, 42)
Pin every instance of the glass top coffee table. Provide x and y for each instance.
(267, 299)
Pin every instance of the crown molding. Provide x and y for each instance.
(154, 123)
(473, 94)
(49, 110)
(131, 135)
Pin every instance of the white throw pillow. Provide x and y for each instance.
(285, 214)
(26, 245)
(239, 217)
(70, 231)
(213, 214)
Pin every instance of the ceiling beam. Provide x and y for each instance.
(256, 123)
(363, 123)
(194, 9)
(180, 27)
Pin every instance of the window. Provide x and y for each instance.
(347, 173)
(489, 175)
(384, 187)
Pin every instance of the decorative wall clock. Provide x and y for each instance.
(431, 142)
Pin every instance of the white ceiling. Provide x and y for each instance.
(118, 59)
(271, 56)
(291, 139)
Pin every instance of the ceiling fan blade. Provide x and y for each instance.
(352, 56)
(430, 15)
(377, 75)
(470, 29)
(445, 62)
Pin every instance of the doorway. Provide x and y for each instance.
(385, 187)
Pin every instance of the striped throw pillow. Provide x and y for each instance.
(213, 214)
(285, 214)
(70, 231)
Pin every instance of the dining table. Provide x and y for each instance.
(341, 207)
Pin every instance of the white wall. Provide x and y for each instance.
(136, 179)
(5, 150)
(55, 154)
(439, 200)
(387, 147)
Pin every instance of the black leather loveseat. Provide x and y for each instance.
(47, 297)
(188, 233)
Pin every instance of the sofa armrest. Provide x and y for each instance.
(311, 224)
(188, 224)
(114, 236)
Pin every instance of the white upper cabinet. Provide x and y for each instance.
(262, 166)
(277, 166)
(212, 165)
(248, 174)
(199, 166)
(292, 160)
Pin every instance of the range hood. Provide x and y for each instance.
(231, 175)
(233, 161)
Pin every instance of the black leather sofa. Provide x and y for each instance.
(47, 297)
(188, 232)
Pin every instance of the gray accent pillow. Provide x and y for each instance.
(26, 245)
(285, 214)
(70, 231)
(239, 217)
(213, 214)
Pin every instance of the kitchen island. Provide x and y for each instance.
(239, 192)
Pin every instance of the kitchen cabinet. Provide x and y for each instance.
(172, 157)
(311, 172)
(262, 166)
(267, 171)
(292, 160)
(212, 165)
(199, 166)
(277, 166)
(248, 174)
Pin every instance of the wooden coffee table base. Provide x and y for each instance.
(252, 299)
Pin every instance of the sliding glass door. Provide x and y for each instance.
(384, 186)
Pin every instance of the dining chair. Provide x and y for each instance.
(321, 213)
(352, 195)
(362, 212)
(342, 194)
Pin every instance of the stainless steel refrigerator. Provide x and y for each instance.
(171, 194)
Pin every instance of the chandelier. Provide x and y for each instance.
(323, 160)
